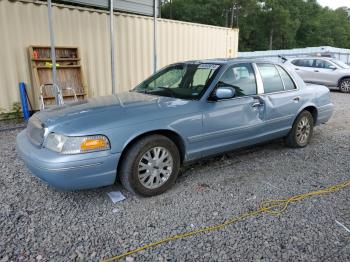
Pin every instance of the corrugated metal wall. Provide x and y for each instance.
(143, 7)
(23, 23)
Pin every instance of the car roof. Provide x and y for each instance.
(227, 61)
(312, 57)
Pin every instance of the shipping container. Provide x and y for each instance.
(25, 23)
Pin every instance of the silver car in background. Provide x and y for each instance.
(322, 70)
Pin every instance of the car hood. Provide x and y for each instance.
(102, 112)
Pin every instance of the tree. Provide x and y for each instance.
(267, 24)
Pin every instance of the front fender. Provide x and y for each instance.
(184, 127)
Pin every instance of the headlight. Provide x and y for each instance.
(76, 145)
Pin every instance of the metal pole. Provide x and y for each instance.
(53, 53)
(111, 21)
(155, 37)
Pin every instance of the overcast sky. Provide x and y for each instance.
(334, 4)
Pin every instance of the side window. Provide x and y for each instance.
(323, 64)
(303, 62)
(296, 62)
(287, 80)
(242, 78)
(271, 78)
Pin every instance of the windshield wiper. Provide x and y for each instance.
(167, 89)
(158, 89)
(151, 91)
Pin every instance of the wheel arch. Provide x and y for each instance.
(172, 135)
(312, 109)
(341, 79)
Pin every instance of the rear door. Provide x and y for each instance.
(305, 69)
(281, 99)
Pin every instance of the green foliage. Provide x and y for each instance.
(15, 113)
(268, 24)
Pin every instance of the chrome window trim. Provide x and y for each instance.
(258, 80)
(280, 92)
(229, 99)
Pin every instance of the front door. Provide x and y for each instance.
(231, 123)
(324, 73)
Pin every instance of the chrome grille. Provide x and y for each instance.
(35, 131)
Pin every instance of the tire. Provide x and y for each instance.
(344, 85)
(302, 131)
(144, 172)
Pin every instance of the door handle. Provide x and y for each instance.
(297, 69)
(316, 71)
(257, 104)
(296, 99)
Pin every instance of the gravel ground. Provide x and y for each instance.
(40, 223)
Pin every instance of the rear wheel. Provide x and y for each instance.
(302, 131)
(344, 85)
(150, 166)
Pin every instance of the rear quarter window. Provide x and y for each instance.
(287, 80)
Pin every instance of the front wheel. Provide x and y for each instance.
(344, 85)
(150, 166)
(302, 131)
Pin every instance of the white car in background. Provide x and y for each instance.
(322, 70)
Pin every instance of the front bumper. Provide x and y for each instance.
(68, 172)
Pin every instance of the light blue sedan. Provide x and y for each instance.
(184, 112)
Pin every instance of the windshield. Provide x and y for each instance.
(185, 81)
(341, 64)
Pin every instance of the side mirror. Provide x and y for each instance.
(332, 67)
(224, 92)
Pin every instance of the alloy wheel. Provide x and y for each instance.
(345, 86)
(155, 167)
(303, 130)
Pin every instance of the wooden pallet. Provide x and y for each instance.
(69, 73)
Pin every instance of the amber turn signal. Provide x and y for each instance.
(93, 144)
